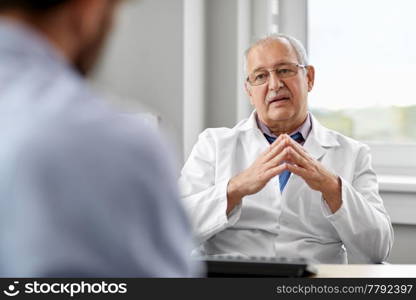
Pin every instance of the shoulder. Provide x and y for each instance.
(340, 141)
(344, 140)
(224, 133)
(349, 143)
(103, 140)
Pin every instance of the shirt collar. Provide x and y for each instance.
(21, 39)
(304, 129)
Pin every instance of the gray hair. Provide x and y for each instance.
(295, 43)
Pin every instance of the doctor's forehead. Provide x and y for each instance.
(270, 52)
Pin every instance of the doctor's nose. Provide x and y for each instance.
(275, 83)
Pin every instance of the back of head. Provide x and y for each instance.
(77, 28)
(30, 5)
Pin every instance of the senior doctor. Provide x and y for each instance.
(279, 183)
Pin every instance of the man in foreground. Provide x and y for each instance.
(83, 192)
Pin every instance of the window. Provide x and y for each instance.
(365, 58)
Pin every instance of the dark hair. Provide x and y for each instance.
(32, 5)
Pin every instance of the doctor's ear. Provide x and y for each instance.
(247, 87)
(310, 76)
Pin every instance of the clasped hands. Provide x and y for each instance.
(284, 154)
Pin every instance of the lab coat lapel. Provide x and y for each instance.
(314, 146)
(319, 140)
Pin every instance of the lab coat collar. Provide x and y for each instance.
(249, 124)
(319, 139)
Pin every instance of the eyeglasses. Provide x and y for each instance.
(282, 71)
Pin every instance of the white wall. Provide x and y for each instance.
(401, 206)
(144, 62)
(404, 247)
(221, 63)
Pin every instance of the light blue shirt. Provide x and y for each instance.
(83, 191)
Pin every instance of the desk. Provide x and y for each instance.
(371, 271)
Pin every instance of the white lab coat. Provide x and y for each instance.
(297, 222)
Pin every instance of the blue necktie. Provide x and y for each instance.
(284, 176)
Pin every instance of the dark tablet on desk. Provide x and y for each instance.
(229, 266)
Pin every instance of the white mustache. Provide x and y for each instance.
(271, 95)
(277, 93)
